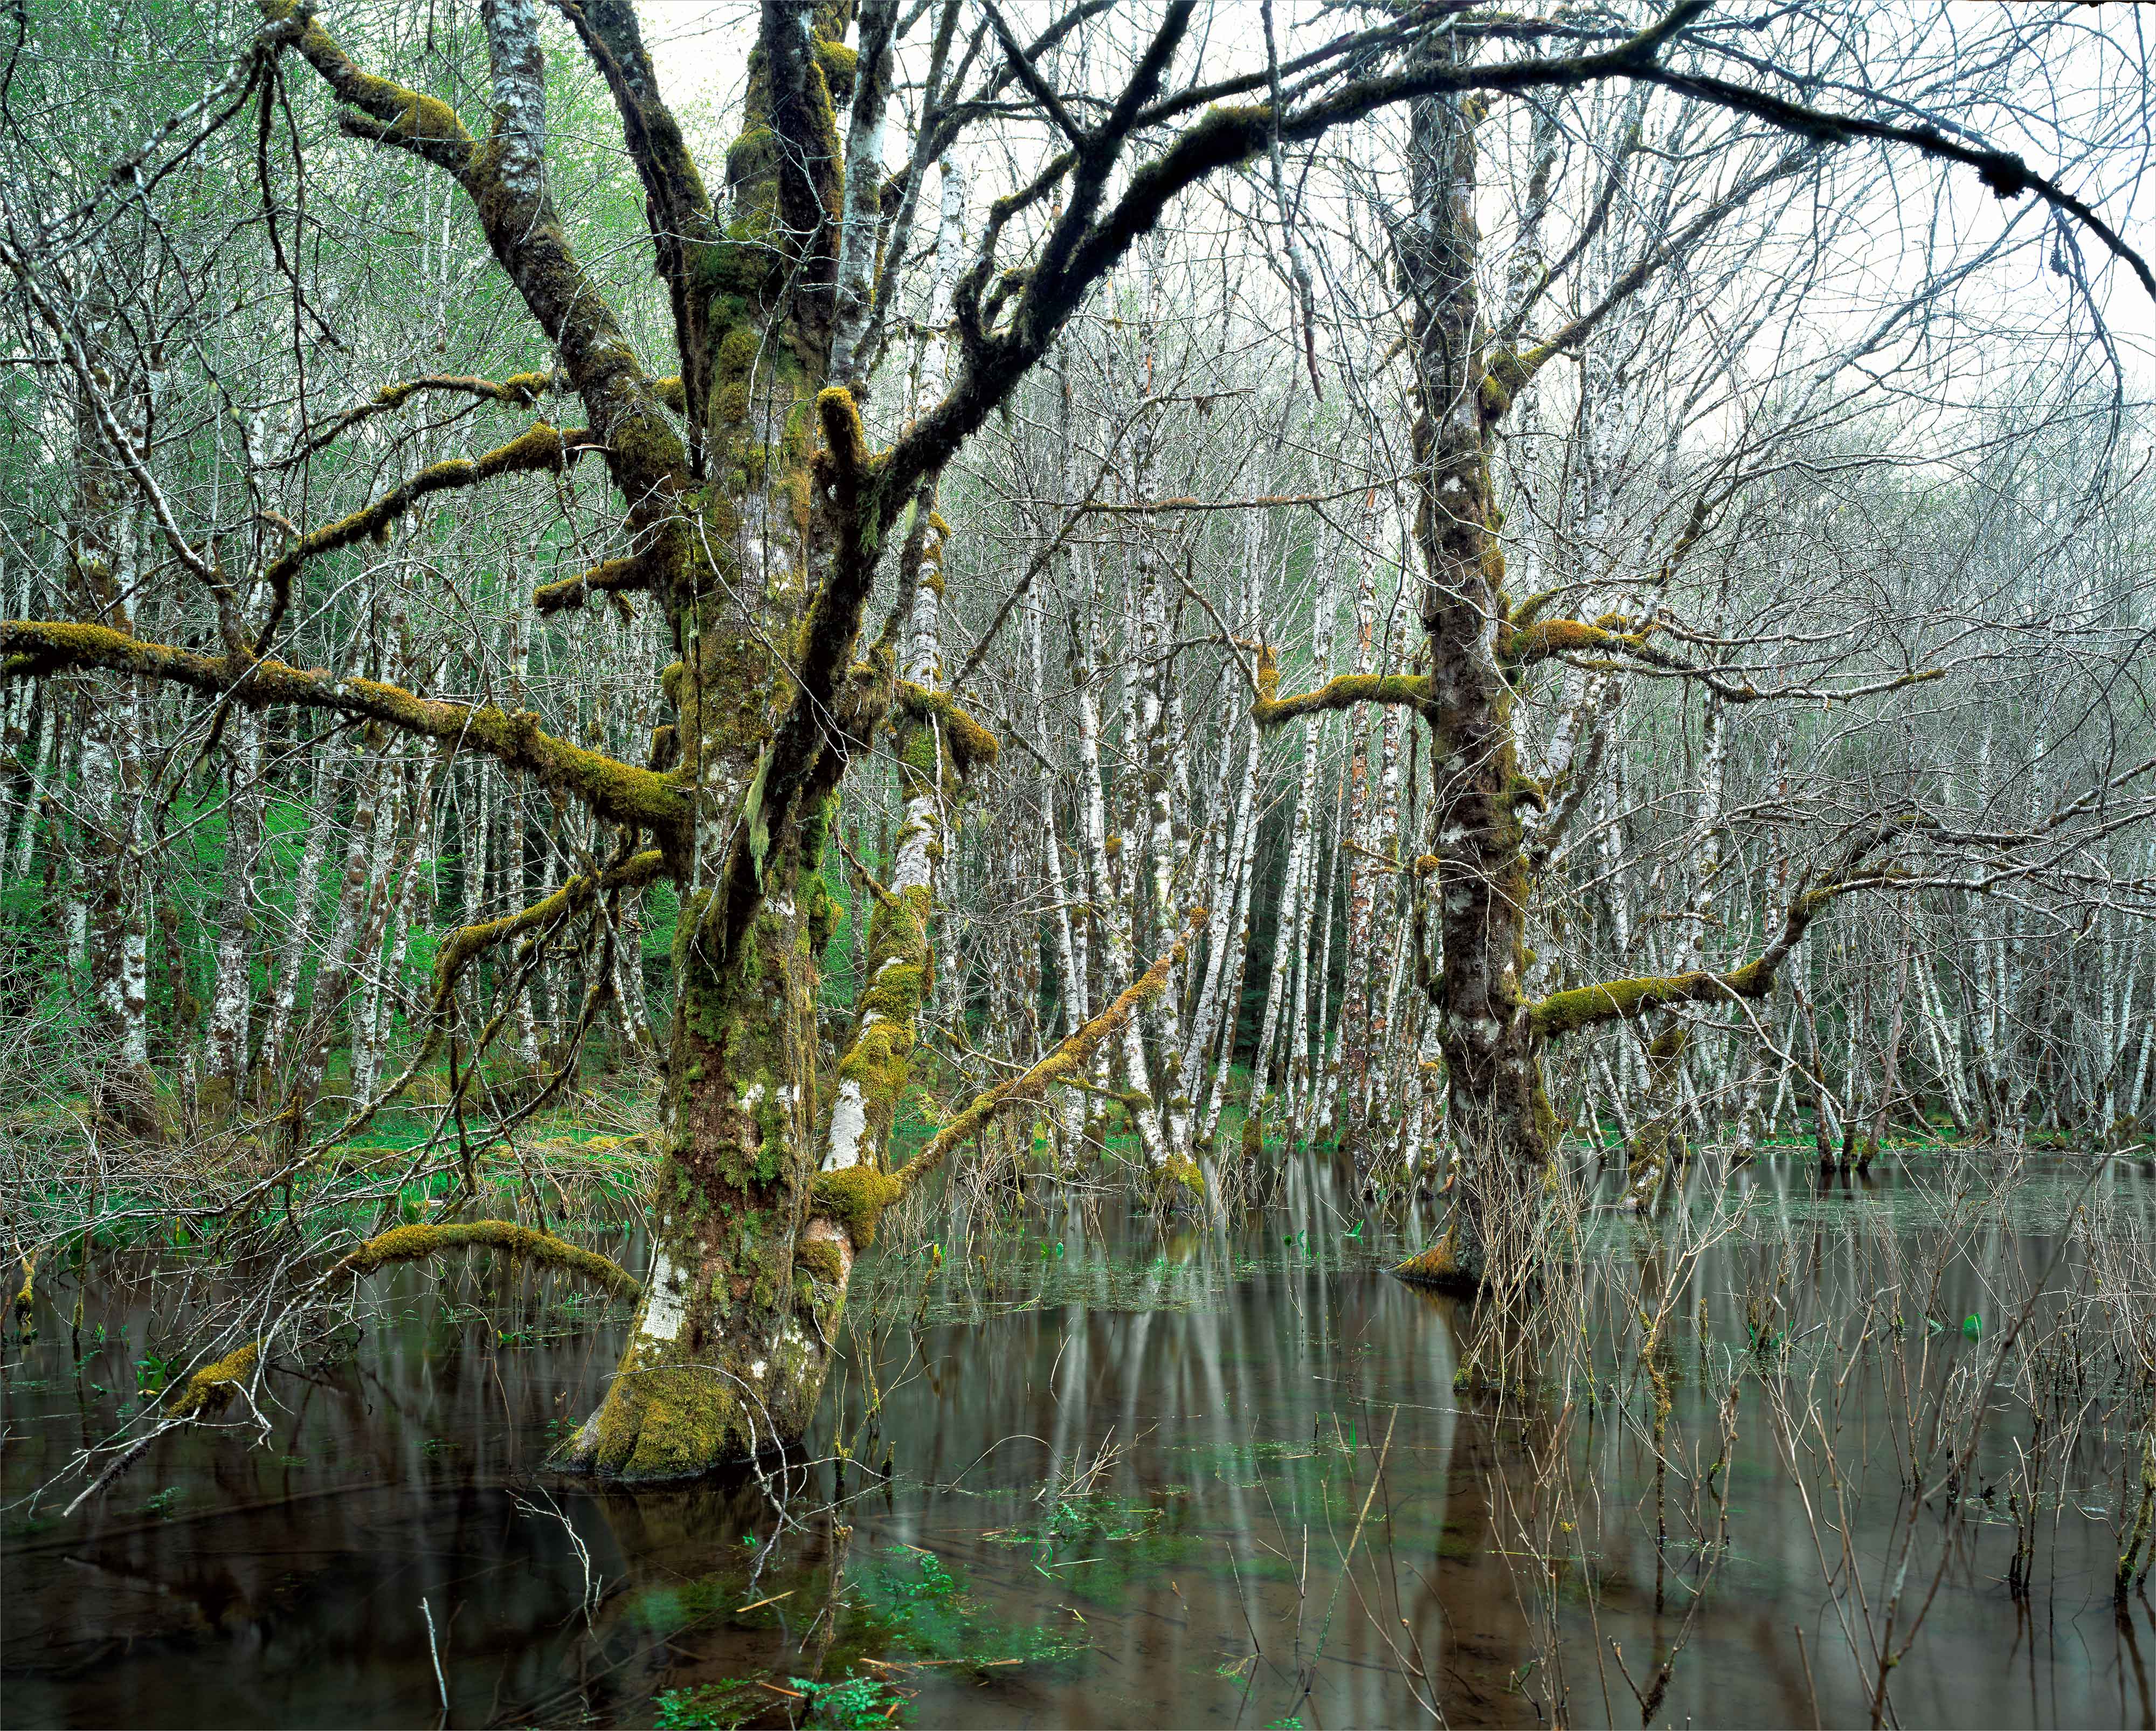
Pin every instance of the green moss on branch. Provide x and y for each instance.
(414, 1244)
(855, 1199)
(539, 447)
(1067, 1061)
(468, 942)
(1344, 692)
(1522, 646)
(1582, 1007)
(620, 793)
(211, 1389)
(615, 577)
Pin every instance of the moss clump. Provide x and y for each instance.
(825, 915)
(730, 403)
(822, 1260)
(751, 163)
(916, 751)
(738, 270)
(1440, 1268)
(646, 452)
(211, 1389)
(840, 63)
(967, 741)
(737, 351)
(1180, 1184)
(856, 1198)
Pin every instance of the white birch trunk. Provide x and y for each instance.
(298, 936)
(231, 989)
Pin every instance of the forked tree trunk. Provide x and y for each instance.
(720, 1365)
(727, 1354)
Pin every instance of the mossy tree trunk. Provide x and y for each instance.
(1500, 1120)
(727, 1356)
(764, 571)
(1481, 644)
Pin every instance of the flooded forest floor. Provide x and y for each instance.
(1798, 1450)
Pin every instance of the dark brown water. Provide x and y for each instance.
(1297, 1517)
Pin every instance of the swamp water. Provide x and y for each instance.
(1159, 1477)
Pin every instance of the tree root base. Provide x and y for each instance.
(1440, 1270)
(578, 1458)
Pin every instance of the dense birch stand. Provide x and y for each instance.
(759, 522)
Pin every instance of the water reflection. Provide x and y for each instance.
(1136, 1477)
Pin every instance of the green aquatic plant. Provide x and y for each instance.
(150, 1372)
(930, 1613)
(709, 1707)
(1115, 1519)
(850, 1703)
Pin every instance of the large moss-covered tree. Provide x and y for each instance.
(759, 522)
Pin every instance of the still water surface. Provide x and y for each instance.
(1258, 1401)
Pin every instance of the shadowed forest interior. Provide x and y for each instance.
(1148, 861)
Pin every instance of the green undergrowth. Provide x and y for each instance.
(900, 1606)
(847, 1703)
(712, 1707)
(604, 1172)
(929, 1612)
